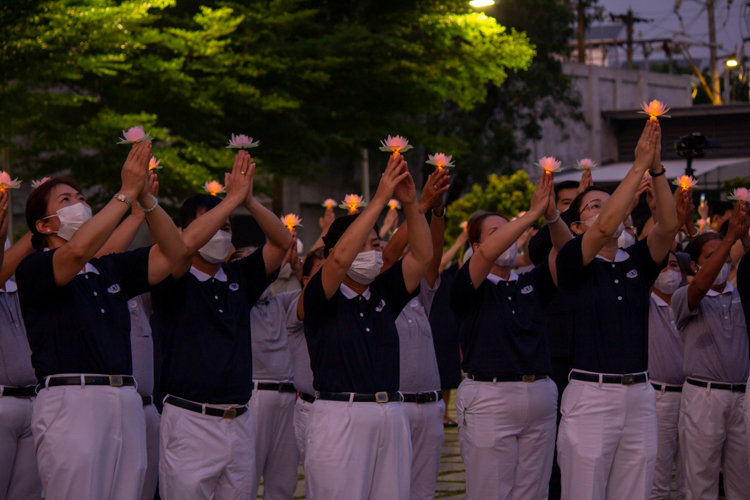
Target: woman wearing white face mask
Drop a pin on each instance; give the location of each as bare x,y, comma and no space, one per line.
358,443
711,322
88,421
507,404
606,445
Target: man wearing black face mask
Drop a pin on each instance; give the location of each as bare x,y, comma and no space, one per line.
202,315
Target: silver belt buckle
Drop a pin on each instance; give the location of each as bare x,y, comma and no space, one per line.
628,380
381,397
529,378
115,381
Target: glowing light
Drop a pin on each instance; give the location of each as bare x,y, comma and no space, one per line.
481,3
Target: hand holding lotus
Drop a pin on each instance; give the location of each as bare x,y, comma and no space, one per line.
3,216
738,222
432,193
540,198
395,172
239,180
135,170
646,148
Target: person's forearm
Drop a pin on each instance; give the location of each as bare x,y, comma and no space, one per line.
166,235
396,245
615,210
437,230
559,233
14,255
278,235
418,233
704,278
95,232
124,235
197,234
354,237
665,206
452,251
499,241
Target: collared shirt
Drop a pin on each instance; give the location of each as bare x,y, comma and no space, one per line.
142,343
84,325
501,323
272,359
303,375
352,338
204,326
665,347
418,366
742,278
715,335
445,332
607,307
286,282
15,353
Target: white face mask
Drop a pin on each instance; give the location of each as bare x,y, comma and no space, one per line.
723,274
625,240
71,218
366,267
508,258
668,281
618,231
217,248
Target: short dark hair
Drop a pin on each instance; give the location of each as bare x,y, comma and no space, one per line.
575,205
243,252
721,207
565,185
36,207
336,231
475,228
311,258
696,246
191,206
724,229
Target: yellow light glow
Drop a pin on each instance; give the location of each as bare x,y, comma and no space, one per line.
481,3
732,63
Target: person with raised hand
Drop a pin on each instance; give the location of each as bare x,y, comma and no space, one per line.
202,316
507,404
606,445
709,316
358,443
88,423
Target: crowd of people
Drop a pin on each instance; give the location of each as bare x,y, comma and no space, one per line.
598,358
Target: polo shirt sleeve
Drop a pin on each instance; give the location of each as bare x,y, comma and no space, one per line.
317,308
293,325
649,269
570,269
545,286
427,294
253,268
35,277
391,284
132,269
682,313
463,295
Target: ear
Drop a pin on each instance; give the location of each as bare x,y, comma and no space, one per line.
42,226
694,267
575,228
474,247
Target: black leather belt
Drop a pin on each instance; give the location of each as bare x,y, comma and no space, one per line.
717,385
276,386
667,388
19,392
509,378
229,413
378,397
306,397
110,380
423,397
147,400
628,379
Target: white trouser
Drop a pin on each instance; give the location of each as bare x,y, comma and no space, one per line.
712,434
153,420
90,442
276,456
302,411
19,475
202,457
358,451
668,452
606,444
427,436
506,431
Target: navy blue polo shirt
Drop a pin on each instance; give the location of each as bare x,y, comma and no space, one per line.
743,285
607,307
501,323
84,325
352,340
204,326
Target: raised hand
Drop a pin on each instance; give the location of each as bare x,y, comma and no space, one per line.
684,205
646,148
540,200
436,186
738,222
3,216
586,181
237,183
405,191
135,170
328,217
395,172
551,211
389,223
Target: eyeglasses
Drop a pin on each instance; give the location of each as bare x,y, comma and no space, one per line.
594,205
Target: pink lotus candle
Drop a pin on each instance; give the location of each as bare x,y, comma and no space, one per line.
586,164
440,160
395,145
465,225
654,109
291,221
685,182
549,164
242,141
37,183
213,188
6,183
133,135
739,194
330,203
394,204
153,164
352,203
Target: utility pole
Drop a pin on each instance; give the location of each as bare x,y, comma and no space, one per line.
629,20
582,31
715,85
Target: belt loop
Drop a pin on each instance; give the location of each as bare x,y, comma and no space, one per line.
2,390
663,388
46,382
401,395
569,374
708,388
83,381
351,398
203,409
494,380
255,386
601,380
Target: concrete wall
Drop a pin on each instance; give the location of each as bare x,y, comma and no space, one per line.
604,89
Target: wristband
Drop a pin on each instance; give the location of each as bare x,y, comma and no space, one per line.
663,171
552,221
149,210
434,214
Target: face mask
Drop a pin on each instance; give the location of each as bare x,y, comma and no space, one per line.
723,274
618,231
366,267
625,240
508,257
71,218
217,248
668,281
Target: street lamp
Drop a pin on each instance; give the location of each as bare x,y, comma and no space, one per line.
481,3
731,62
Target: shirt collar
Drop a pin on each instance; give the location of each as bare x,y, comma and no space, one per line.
10,286
202,277
727,289
495,279
89,268
621,256
659,301
350,294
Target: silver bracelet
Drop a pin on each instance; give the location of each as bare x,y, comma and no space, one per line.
434,214
149,210
557,217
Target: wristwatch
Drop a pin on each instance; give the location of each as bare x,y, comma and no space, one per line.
121,197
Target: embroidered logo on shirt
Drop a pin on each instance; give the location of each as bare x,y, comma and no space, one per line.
114,288
633,273
234,287
380,307
527,289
